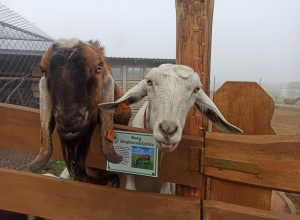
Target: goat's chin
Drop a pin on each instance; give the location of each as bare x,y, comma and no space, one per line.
72,135
69,135
166,148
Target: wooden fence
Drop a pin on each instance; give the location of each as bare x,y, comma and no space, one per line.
236,192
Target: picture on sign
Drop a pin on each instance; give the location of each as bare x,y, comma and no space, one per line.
142,157
139,153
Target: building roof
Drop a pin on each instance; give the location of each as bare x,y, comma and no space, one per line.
145,62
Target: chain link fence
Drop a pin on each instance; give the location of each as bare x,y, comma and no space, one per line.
22,45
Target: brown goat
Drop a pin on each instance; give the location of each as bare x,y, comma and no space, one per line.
142,158
77,77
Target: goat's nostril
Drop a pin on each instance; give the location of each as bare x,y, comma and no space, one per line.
162,130
168,128
173,131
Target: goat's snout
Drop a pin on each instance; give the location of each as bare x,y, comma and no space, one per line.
69,124
168,128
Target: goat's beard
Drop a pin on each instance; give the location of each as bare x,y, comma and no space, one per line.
75,153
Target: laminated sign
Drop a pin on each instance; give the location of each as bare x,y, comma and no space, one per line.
139,153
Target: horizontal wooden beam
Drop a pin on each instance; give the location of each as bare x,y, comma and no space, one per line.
55,198
277,155
215,210
20,129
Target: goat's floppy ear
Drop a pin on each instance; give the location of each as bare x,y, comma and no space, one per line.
106,120
206,106
47,128
134,95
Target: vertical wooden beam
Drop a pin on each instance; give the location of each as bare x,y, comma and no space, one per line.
193,36
193,49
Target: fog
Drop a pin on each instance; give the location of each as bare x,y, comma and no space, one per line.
252,40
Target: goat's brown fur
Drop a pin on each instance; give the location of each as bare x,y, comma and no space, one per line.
92,56
142,158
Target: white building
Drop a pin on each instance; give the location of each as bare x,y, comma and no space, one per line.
290,93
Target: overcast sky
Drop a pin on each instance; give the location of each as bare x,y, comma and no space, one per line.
251,38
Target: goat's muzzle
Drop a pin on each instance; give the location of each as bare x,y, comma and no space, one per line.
167,136
168,128
71,125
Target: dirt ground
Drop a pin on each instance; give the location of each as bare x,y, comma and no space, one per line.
286,121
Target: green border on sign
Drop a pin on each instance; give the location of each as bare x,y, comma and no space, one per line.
128,132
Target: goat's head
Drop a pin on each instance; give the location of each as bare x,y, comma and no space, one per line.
77,78
172,90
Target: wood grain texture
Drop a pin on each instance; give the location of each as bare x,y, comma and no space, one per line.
193,49
64,199
20,129
277,155
193,37
247,106
240,194
215,210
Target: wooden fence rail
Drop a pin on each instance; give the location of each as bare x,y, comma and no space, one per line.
55,198
216,210
20,129
277,155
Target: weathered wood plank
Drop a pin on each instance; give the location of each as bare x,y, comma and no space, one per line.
247,106
20,129
277,155
64,199
241,194
215,210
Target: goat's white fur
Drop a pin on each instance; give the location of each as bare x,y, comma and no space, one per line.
67,43
170,98
64,175
45,104
107,92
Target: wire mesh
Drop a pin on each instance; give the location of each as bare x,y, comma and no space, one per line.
21,46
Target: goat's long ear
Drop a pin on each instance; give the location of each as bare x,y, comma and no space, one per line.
47,127
206,106
106,120
134,95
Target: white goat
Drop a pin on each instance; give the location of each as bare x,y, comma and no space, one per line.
172,90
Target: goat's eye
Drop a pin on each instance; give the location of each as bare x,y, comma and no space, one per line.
99,69
43,71
196,89
149,82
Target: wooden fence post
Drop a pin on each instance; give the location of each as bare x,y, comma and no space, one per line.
193,49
